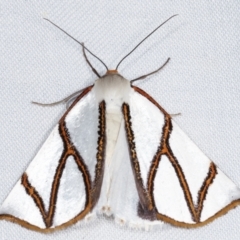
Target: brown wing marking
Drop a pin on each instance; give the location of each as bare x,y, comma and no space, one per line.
48,215
146,95
101,149
195,209
34,194
145,208
69,150
212,172
164,149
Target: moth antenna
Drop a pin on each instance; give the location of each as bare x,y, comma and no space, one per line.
77,42
145,39
88,62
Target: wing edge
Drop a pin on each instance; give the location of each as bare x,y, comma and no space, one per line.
25,224
220,213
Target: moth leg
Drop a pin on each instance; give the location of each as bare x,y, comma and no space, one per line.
175,114
65,100
88,62
146,75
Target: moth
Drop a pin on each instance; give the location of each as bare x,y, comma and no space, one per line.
117,152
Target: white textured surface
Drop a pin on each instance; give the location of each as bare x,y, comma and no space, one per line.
38,62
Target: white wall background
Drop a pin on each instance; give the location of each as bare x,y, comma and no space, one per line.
38,62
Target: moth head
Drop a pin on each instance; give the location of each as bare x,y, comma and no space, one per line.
112,73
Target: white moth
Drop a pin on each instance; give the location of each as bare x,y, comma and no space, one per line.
117,151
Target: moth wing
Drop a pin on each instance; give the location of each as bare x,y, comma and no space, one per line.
119,196
54,192
185,187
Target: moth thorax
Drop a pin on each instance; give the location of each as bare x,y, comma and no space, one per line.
114,90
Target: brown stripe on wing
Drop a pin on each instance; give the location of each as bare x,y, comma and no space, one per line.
165,149
204,189
146,95
83,93
100,156
31,191
162,149
145,208
180,175
68,150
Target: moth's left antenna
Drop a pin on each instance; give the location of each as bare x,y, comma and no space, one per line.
145,39
77,42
